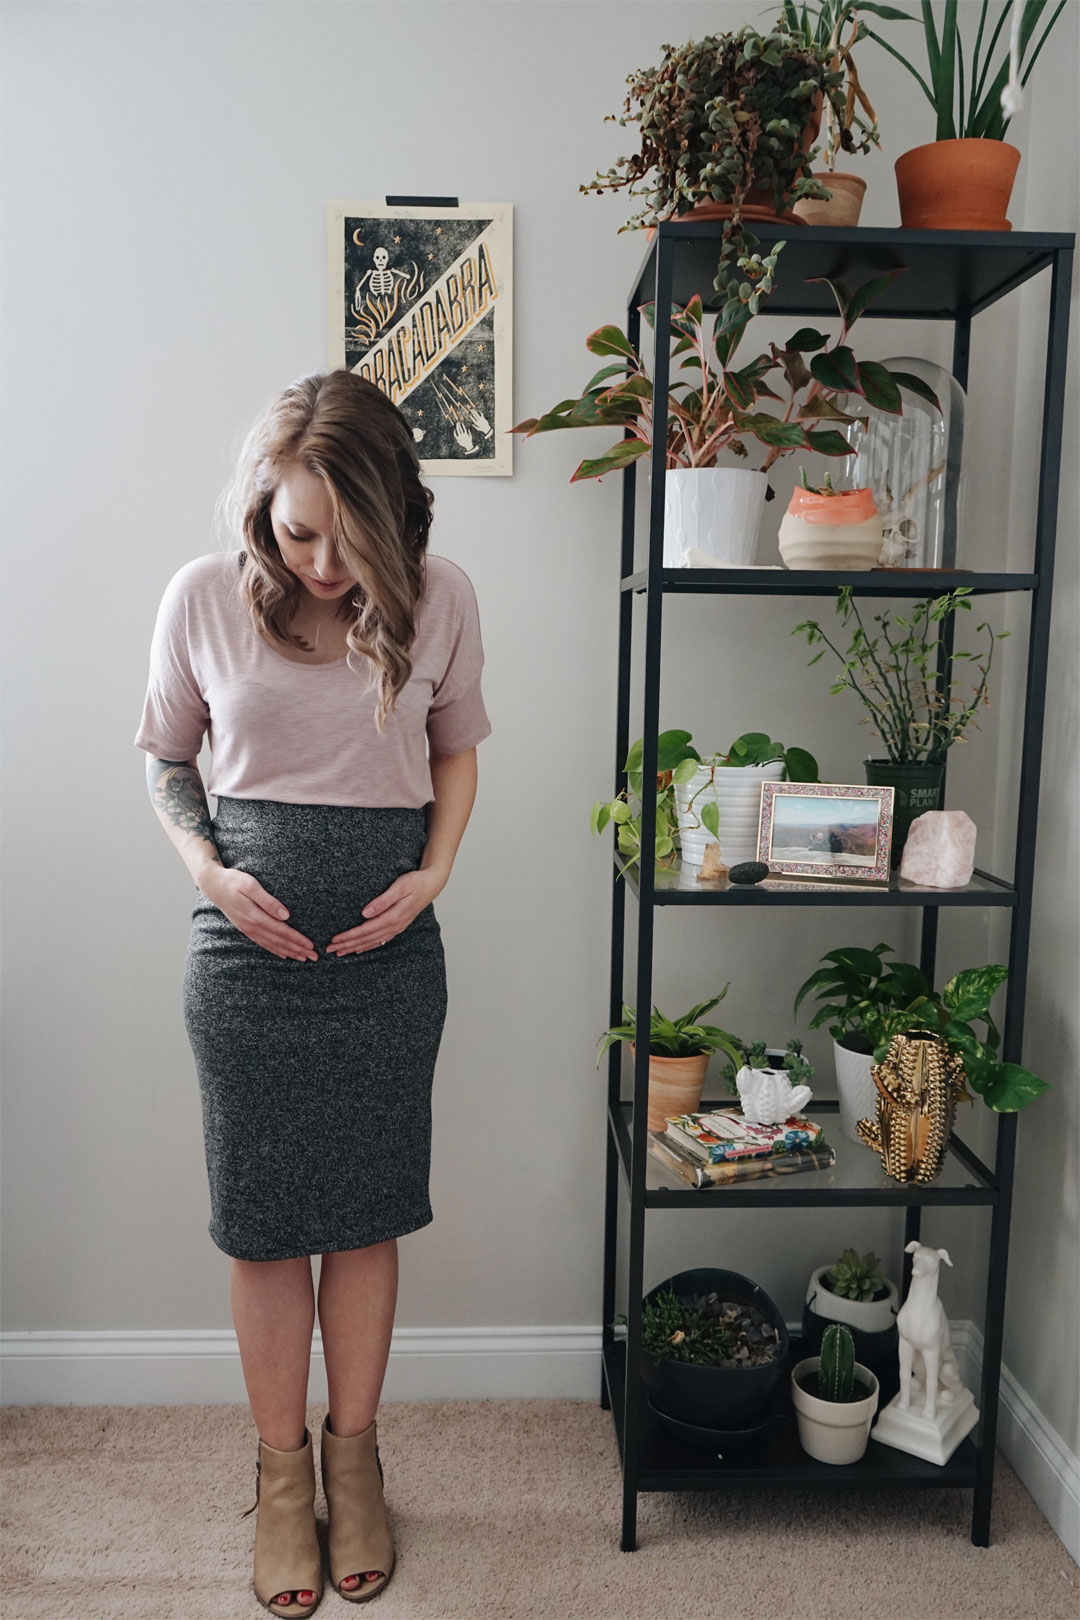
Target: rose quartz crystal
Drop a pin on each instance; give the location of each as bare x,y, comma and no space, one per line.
939,851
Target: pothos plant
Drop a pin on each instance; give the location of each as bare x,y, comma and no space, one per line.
720,409
866,1001
677,761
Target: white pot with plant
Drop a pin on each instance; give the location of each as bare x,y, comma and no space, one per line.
771,1091
866,1000
835,1399
720,797
679,1052
855,1291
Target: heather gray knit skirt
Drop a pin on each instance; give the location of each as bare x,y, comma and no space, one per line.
315,1077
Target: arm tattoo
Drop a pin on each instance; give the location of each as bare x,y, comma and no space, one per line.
176,788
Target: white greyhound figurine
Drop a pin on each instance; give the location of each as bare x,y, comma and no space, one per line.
924,1331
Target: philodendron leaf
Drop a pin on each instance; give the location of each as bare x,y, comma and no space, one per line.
684,770
1012,1087
801,765
671,747
710,817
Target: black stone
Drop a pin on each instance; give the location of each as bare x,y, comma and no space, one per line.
748,872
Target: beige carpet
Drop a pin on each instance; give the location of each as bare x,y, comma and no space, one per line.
505,1508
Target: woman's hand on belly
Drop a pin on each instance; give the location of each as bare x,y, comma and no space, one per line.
389,913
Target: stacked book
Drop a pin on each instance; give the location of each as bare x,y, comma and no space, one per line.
720,1146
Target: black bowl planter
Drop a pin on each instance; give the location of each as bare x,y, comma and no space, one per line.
728,1397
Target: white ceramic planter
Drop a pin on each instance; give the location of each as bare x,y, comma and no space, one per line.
856,1088
833,1431
712,516
864,1315
736,792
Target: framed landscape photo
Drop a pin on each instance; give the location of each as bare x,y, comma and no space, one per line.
826,830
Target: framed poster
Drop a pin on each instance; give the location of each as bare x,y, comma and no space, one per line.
420,301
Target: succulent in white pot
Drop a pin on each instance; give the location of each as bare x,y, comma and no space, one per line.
855,1291
720,797
771,1093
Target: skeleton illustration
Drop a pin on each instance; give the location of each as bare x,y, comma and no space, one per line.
380,293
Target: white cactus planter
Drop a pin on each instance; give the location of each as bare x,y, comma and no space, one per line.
712,516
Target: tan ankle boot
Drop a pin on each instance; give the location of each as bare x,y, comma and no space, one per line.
360,1537
287,1553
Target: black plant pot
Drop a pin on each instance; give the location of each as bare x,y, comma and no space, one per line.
720,1397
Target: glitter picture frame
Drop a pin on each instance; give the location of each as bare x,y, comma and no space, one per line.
821,830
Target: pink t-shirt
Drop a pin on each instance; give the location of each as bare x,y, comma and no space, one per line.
305,733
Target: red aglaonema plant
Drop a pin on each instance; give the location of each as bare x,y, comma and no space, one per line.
720,409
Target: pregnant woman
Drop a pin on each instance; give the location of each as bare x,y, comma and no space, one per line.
334,666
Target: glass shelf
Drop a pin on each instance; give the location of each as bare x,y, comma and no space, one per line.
950,273
679,886
855,1179
902,582
777,1458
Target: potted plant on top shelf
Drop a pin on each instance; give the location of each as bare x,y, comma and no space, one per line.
911,689
712,512
962,180
727,126
824,25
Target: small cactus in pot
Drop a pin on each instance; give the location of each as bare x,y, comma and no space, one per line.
836,1372
835,1399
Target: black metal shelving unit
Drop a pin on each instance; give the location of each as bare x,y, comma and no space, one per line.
951,275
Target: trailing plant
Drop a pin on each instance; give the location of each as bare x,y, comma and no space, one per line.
904,675
676,1330
854,1278
823,26
720,409
722,116
864,995
836,1369
677,1037
992,95
677,761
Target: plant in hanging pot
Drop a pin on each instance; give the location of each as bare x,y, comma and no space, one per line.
679,1053
824,26
708,522
963,179
830,528
835,1399
714,1346
908,681
854,1291
720,797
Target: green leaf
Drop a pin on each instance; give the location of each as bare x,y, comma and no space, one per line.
801,766
915,385
620,455
780,435
878,387
710,817
1012,1087
968,994
806,339
837,370
673,746
827,442
865,295
610,340
839,291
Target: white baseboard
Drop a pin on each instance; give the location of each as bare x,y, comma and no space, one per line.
183,1368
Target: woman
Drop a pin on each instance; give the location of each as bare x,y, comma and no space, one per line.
314,988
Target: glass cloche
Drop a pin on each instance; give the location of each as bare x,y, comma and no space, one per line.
912,463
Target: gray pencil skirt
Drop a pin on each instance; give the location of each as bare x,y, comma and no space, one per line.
315,1077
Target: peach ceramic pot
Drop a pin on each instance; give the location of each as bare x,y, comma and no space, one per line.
841,530
962,185
675,1085
842,208
759,204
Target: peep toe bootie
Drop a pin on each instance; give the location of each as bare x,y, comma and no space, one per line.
288,1559
360,1539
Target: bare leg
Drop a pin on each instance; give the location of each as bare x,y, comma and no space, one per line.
273,1306
357,1299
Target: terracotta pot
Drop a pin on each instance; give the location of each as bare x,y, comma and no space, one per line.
956,185
759,204
675,1085
842,208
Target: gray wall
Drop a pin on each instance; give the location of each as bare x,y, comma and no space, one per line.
166,174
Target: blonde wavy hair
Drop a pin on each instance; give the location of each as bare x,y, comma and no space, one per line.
347,432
